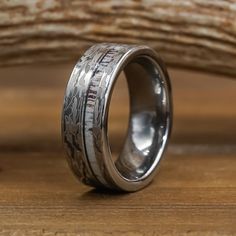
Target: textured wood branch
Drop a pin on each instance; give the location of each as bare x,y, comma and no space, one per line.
200,34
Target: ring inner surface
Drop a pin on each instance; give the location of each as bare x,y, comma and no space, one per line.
148,116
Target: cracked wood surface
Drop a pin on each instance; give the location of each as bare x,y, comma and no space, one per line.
194,192
199,34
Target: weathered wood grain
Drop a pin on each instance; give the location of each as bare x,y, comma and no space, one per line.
191,195
199,34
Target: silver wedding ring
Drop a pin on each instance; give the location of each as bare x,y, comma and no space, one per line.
85,116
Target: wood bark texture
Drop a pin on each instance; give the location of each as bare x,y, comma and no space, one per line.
199,34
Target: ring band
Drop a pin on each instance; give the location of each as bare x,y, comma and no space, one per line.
85,116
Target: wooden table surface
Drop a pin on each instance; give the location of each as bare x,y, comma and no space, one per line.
194,192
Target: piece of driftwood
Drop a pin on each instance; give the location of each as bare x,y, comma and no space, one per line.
198,34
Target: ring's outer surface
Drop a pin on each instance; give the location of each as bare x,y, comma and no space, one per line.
85,116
